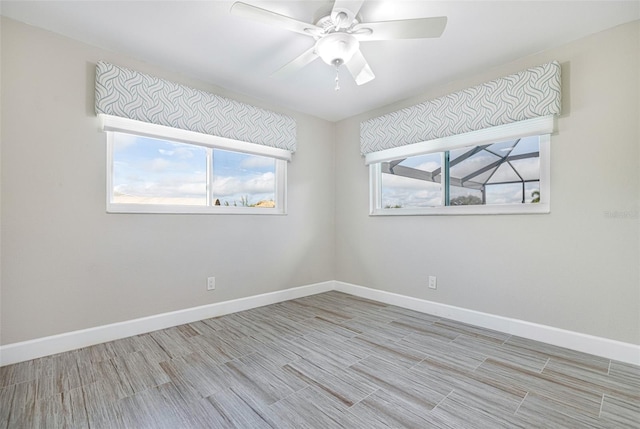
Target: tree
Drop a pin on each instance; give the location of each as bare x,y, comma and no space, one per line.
536,196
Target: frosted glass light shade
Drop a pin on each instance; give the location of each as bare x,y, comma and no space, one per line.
337,48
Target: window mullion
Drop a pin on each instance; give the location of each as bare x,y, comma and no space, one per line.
446,178
209,177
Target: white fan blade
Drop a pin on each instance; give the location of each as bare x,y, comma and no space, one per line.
359,69
421,28
248,11
297,64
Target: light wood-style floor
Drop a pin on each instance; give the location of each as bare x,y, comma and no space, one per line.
325,361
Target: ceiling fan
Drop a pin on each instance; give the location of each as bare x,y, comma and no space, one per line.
339,34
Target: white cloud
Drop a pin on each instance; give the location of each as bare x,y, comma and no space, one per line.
257,162
235,185
175,186
159,164
122,141
428,166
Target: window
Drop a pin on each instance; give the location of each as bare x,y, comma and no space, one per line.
494,176
148,174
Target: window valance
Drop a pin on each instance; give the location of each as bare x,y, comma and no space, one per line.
134,95
529,94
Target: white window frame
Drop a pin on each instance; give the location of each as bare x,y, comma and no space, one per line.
542,127
111,124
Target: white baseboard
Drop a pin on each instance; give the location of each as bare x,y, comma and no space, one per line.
26,350
604,347
611,349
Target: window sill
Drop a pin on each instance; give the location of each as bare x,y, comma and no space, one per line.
506,209
175,209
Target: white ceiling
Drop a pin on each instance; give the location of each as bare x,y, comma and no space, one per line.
203,40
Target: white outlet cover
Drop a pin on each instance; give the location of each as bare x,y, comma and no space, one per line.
433,282
211,283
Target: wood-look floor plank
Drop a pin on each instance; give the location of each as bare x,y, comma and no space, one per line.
281,351
588,379
326,311
585,401
445,379
420,329
196,376
23,405
396,352
620,413
258,364
236,411
172,342
100,403
447,352
342,384
562,354
390,331
139,373
468,411
473,331
19,373
310,408
266,383
330,327
97,353
541,411
399,313
397,381
294,312
160,407
501,352
383,410
333,349
625,373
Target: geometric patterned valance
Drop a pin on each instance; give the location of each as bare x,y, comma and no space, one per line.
130,94
529,94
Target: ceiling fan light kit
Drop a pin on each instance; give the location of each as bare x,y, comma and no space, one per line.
338,35
337,48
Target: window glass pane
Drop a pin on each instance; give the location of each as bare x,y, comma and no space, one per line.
508,193
528,169
469,162
412,182
150,171
503,148
481,179
527,145
464,196
243,180
504,174
499,170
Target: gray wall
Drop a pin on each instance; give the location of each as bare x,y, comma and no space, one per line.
574,268
68,265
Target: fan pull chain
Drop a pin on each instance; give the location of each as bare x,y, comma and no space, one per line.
337,88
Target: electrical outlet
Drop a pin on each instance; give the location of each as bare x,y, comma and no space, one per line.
211,283
433,282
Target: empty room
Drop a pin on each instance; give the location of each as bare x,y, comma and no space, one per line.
320,214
